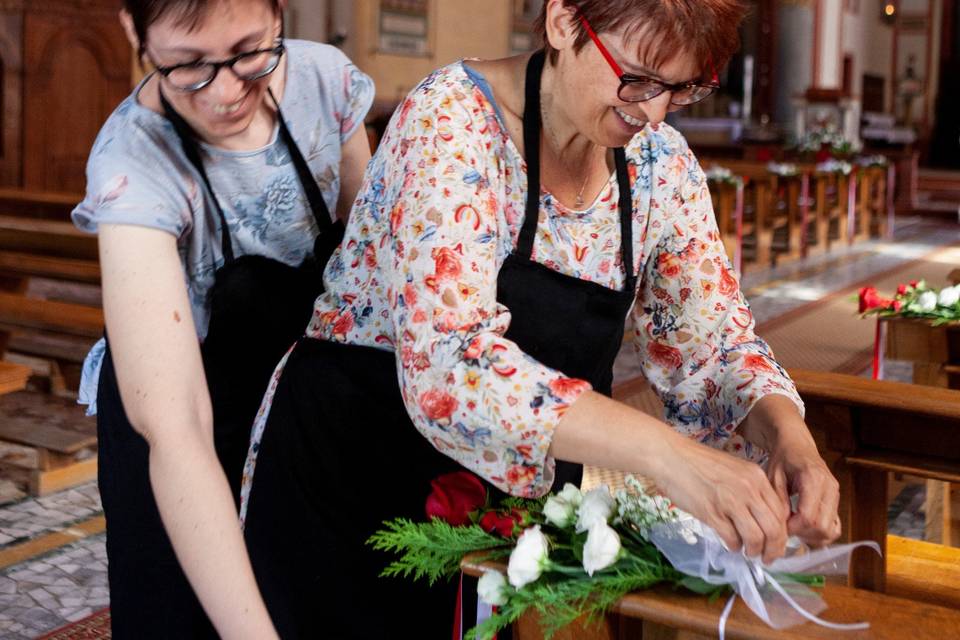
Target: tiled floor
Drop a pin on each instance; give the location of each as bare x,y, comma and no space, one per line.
69,583
50,591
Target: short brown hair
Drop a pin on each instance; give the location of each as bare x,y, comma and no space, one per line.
187,13
709,29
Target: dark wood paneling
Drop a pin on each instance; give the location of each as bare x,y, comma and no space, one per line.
76,70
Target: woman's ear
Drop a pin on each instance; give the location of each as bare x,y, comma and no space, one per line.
126,20
561,24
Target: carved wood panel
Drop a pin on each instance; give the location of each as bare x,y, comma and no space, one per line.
76,71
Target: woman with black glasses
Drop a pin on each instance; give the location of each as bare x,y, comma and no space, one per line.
214,189
516,213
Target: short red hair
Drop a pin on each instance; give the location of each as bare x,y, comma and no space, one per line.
709,29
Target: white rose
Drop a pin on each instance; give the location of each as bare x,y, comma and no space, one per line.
559,512
528,558
601,549
949,296
597,506
927,301
571,494
492,588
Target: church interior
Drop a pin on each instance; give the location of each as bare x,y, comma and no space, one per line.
832,151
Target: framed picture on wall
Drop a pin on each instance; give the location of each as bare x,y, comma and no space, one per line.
404,27
525,12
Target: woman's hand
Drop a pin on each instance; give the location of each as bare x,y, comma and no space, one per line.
799,470
796,467
731,495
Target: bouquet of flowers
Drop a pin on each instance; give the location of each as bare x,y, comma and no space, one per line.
913,300
826,143
576,554
723,175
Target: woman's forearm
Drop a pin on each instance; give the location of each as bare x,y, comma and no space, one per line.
197,510
775,421
602,432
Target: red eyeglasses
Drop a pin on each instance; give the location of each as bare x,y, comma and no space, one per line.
641,88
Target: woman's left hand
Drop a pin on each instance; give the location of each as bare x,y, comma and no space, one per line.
797,468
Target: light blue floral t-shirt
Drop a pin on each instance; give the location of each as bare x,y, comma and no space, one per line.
137,174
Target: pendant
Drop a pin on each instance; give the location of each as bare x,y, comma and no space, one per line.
579,202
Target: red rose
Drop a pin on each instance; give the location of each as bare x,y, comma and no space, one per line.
870,299
447,263
669,265
454,496
914,283
902,290
501,524
665,355
437,404
568,389
823,154
897,306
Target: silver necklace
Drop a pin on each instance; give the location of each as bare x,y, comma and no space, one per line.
579,202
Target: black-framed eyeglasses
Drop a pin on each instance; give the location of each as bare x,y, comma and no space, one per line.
249,66
641,88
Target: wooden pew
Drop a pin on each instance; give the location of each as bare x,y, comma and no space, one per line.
866,430
13,377
665,614
49,249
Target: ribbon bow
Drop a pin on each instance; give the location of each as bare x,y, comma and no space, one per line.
770,590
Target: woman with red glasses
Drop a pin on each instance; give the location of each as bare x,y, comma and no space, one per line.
517,213
214,188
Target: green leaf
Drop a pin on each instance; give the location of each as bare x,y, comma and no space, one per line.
432,550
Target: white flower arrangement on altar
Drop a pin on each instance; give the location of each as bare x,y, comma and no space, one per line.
577,554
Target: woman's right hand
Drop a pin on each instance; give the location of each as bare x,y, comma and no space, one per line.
732,495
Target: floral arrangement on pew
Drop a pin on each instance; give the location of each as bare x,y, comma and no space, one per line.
723,175
913,300
574,555
822,144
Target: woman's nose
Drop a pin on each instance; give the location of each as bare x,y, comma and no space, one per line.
226,86
656,109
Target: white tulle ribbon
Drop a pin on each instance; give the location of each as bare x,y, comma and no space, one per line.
696,550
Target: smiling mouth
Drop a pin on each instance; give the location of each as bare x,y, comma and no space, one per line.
223,110
633,122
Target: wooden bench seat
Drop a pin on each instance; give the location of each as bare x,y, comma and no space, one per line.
17,311
37,204
46,237
923,571
14,263
662,613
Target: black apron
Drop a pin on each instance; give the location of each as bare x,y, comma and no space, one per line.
339,454
258,308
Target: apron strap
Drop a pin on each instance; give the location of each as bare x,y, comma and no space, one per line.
317,204
532,123
192,151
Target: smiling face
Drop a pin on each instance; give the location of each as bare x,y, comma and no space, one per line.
590,84
227,106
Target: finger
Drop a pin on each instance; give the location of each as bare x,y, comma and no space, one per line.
774,529
750,531
779,481
727,532
831,510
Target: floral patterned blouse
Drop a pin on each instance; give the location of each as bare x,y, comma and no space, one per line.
441,208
